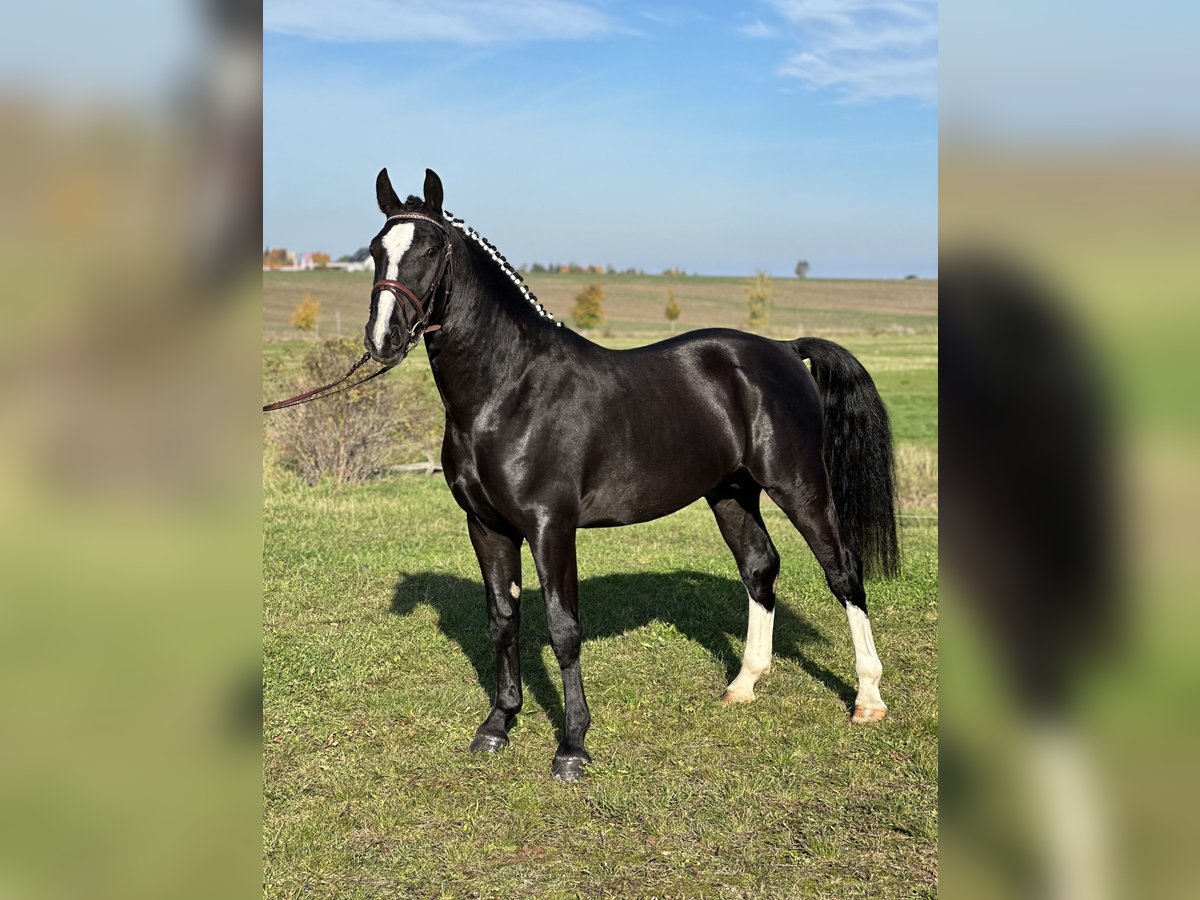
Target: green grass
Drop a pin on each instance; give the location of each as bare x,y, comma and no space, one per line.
379,668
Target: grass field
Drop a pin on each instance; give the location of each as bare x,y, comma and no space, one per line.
378,667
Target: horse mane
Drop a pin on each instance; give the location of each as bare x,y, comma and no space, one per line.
497,257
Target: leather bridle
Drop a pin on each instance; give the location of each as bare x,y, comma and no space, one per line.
401,291
422,306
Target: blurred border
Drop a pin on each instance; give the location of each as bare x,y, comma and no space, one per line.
130,442
1069,222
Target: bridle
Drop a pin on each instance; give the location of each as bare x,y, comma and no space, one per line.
401,291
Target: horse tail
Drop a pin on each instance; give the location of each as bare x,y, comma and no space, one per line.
858,454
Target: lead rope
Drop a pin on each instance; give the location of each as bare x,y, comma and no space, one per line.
319,393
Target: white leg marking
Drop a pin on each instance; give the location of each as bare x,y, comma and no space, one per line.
514,591
868,706
756,661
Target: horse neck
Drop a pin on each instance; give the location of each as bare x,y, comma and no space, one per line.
490,333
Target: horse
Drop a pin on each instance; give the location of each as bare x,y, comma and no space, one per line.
547,432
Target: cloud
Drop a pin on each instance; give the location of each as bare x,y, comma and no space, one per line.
863,50
451,21
757,29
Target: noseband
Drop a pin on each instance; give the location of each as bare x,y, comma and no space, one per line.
401,291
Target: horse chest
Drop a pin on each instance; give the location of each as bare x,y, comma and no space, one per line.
481,477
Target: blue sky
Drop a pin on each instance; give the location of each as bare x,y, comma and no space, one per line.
717,137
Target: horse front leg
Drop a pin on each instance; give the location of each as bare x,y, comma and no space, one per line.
554,554
499,557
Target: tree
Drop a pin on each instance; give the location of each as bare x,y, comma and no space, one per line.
304,316
589,306
672,311
760,294
320,260
802,268
275,258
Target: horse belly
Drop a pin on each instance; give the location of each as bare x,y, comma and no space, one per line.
648,481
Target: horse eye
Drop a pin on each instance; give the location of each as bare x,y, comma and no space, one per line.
431,252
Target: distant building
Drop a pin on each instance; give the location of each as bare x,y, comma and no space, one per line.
360,261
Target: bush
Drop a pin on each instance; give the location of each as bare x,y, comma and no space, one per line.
673,309
760,296
304,316
357,434
589,307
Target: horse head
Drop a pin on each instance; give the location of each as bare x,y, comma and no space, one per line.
412,261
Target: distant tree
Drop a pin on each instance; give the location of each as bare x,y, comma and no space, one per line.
589,306
672,311
304,316
537,268
274,258
760,295
910,277
320,260
802,268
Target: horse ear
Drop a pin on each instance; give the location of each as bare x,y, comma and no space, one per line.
433,190
389,203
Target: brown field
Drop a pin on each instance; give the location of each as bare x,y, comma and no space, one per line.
634,303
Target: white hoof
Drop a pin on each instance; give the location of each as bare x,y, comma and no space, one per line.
868,713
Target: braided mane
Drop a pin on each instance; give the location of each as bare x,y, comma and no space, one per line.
505,266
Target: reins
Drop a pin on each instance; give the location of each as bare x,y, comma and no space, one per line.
318,393
421,326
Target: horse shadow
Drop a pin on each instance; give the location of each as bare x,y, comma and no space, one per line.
707,609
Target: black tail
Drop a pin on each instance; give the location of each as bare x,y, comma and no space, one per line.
858,454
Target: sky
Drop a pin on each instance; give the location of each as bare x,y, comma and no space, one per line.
720,138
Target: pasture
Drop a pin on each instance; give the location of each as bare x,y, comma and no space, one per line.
635,303
378,666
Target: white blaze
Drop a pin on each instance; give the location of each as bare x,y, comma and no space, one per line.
396,241
383,317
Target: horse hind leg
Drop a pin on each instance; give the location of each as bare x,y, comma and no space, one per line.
736,509
813,514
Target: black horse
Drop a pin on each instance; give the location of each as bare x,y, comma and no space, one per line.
547,432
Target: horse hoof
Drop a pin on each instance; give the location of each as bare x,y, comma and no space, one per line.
488,743
568,768
868,714
732,696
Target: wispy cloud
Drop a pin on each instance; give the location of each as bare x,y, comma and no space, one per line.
863,50
757,29
451,21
